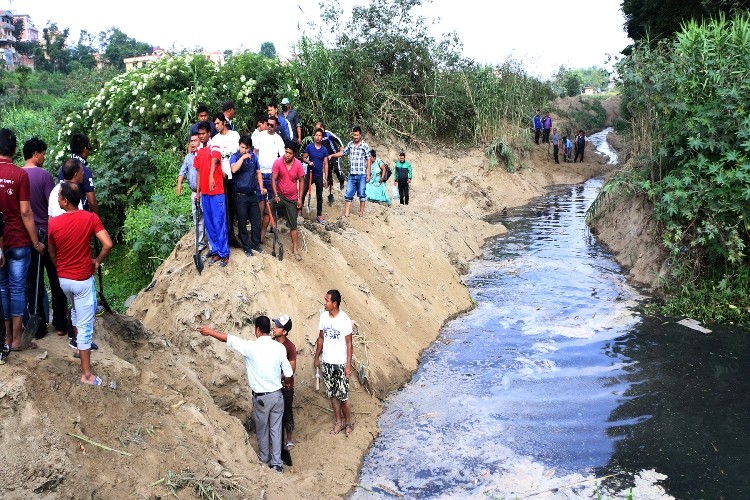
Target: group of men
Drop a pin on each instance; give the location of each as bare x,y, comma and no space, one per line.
543,125
49,225
270,363
250,178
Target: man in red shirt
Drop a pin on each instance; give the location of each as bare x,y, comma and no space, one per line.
20,237
210,192
287,178
69,247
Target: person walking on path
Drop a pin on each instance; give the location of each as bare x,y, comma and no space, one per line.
537,122
41,184
19,238
580,145
286,181
556,144
359,171
333,356
402,177
69,247
188,170
211,195
265,362
281,328
547,126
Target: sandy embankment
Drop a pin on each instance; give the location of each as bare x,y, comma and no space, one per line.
181,398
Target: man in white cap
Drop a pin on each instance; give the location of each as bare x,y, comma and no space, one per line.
265,361
281,328
293,118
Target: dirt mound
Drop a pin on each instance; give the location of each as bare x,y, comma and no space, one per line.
174,402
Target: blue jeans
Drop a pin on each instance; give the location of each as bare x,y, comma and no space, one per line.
358,183
13,281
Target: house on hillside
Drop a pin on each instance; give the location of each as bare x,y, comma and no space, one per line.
587,91
141,61
8,54
30,34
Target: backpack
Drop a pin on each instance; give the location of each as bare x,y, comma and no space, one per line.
388,173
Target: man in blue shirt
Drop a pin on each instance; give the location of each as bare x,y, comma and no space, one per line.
283,128
537,126
316,157
247,182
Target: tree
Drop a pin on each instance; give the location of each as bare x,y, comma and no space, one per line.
268,49
54,55
657,19
84,53
116,46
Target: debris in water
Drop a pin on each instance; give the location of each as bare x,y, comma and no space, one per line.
693,324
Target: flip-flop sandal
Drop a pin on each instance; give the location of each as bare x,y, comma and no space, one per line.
32,345
349,429
298,256
97,382
336,429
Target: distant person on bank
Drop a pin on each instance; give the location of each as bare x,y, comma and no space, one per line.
556,144
316,158
537,125
333,356
376,190
69,247
265,361
402,175
580,145
546,126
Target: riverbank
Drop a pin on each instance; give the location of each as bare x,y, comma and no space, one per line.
180,399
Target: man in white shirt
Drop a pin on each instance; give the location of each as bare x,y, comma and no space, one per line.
265,361
72,171
269,146
335,345
228,142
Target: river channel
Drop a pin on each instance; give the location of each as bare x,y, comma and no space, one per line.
554,380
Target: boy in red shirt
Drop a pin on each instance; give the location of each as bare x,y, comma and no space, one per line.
287,178
69,247
211,195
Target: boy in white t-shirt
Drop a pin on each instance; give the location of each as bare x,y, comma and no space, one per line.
335,345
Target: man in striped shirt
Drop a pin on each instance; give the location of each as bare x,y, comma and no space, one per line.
359,170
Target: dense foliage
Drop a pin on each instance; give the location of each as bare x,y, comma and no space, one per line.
689,101
654,20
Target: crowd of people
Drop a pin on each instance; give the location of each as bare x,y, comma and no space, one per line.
543,125
49,226
253,178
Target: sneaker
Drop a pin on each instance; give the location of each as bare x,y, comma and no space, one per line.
289,445
249,252
223,262
72,343
4,353
258,249
277,468
214,259
320,219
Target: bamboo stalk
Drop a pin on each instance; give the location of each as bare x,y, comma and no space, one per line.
102,446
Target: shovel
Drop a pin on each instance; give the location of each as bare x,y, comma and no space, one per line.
307,212
102,298
275,228
330,195
29,331
197,256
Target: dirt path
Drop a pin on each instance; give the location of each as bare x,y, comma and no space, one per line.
180,399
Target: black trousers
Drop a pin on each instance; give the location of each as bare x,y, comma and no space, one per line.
579,151
557,150
318,181
536,135
545,136
248,209
229,203
335,167
403,192
58,301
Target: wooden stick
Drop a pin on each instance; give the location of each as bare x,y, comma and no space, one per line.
104,447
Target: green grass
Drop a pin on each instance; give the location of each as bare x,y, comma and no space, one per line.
122,277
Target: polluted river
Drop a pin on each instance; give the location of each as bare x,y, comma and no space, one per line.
554,386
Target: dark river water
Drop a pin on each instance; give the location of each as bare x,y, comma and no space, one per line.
554,381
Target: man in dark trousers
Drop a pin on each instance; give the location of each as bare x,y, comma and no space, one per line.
402,176
546,126
265,361
580,145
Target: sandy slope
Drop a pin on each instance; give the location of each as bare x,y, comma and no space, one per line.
180,398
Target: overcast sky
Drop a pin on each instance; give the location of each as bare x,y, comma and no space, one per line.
541,33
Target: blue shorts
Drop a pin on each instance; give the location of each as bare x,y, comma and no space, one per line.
358,183
267,185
